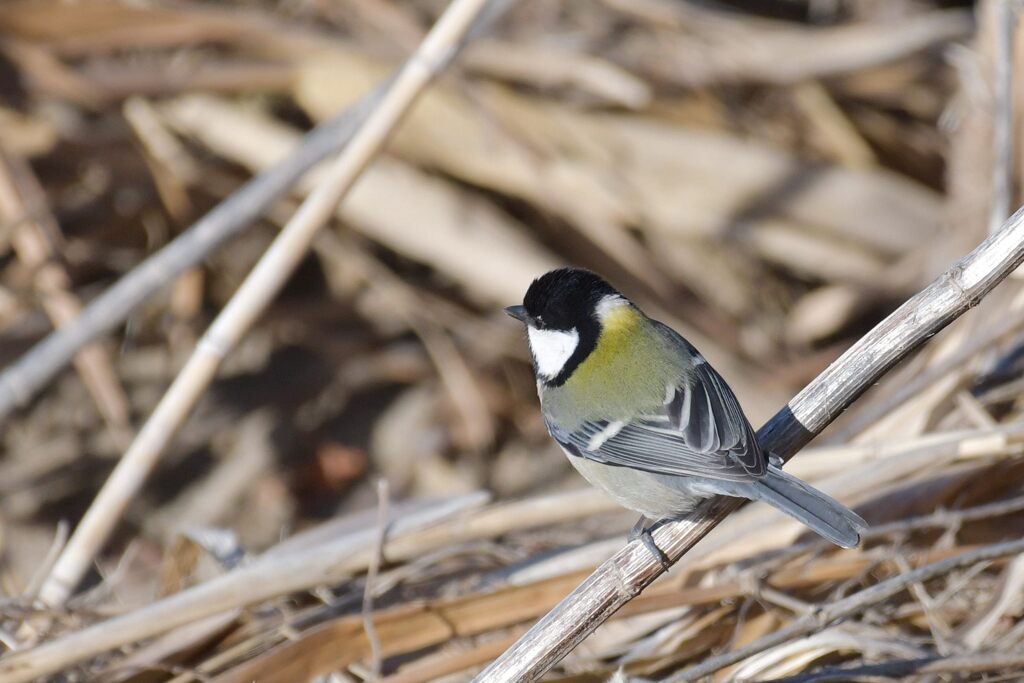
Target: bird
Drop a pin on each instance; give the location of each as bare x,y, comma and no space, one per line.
641,414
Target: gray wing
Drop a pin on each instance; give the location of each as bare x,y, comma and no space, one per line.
700,431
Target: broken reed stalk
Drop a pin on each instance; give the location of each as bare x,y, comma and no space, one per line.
633,568
253,296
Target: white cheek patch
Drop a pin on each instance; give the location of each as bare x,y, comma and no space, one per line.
551,349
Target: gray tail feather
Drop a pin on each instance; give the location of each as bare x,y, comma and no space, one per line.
810,506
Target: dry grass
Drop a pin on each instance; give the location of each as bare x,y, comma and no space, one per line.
772,180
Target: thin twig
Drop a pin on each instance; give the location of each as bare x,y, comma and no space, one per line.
633,568
853,604
371,578
253,296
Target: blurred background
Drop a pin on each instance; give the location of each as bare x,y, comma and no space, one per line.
770,177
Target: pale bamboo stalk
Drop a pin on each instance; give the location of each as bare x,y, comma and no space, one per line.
634,567
252,297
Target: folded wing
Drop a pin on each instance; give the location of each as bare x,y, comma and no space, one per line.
699,431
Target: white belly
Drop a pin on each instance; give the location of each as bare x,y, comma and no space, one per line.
653,495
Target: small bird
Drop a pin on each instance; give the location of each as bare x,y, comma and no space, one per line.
642,415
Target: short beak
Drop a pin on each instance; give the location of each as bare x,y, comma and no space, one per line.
517,312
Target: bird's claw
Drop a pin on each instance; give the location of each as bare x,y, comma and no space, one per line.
641,531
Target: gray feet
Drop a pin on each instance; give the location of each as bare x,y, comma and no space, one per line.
642,531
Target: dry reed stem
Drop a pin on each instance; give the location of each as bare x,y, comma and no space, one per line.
252,297
633,568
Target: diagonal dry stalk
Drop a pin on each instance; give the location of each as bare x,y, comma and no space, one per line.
252,297
633,568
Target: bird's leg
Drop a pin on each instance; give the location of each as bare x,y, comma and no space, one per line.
643,532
